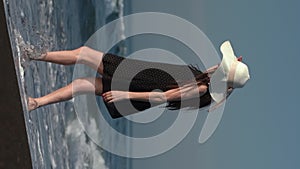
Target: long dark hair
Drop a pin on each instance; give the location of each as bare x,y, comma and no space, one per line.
193,103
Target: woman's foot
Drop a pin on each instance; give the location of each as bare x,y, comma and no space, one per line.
28,51
32,104
33,53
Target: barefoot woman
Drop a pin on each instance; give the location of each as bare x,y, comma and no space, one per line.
141,90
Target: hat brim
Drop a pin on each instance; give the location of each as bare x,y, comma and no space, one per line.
228,56
218,81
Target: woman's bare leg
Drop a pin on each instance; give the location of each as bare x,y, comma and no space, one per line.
82,55
78,86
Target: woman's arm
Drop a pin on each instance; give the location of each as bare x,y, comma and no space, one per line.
157,97
113,96
185,92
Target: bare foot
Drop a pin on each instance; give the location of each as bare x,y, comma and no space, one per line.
34,53
28,51
32,104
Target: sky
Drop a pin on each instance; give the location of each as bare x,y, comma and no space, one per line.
260,124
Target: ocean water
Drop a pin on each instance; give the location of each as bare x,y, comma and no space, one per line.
56,138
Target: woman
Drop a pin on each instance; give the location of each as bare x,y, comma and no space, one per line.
141,90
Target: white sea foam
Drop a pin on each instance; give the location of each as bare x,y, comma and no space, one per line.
55,136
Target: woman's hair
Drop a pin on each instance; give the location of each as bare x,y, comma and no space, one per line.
193,103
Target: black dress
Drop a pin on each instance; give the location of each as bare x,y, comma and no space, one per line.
140,76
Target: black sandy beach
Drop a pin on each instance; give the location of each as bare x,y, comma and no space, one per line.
14,149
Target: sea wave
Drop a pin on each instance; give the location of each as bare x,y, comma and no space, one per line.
56,139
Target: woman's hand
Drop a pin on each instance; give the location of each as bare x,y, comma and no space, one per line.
115,95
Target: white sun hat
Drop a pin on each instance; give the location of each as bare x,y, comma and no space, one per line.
230,73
